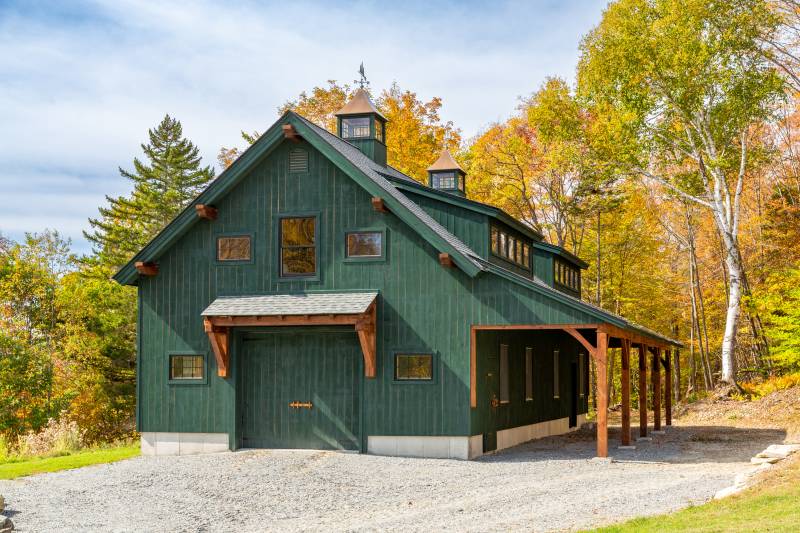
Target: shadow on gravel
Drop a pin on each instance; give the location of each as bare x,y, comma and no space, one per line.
680,444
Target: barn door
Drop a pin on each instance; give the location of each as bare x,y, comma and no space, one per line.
299,389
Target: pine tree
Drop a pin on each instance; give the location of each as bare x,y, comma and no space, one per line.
170,179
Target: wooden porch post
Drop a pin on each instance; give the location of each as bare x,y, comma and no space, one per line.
656,380
642,390
626,392
601,361
667,387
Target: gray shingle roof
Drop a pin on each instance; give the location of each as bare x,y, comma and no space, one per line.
370,168
329,303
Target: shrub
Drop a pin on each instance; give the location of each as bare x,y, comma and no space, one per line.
774,384
58,437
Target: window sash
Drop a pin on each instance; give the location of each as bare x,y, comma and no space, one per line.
504,393
528,374
364,244
510,248
186,367
413,367
234,248
298,246
355,128
556,375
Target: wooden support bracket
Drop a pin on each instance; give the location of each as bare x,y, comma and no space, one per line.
445,260
290,133
378,205
219,337
367,337
146,268
206,211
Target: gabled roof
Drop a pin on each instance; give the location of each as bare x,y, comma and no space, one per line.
344,155
445,162
375,179
359,104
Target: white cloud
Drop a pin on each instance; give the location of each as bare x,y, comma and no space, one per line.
80,86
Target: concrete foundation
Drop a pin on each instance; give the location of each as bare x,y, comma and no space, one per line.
154,443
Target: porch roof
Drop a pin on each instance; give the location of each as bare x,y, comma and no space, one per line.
330,303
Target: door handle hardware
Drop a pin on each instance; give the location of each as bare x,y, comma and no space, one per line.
301,405
494,402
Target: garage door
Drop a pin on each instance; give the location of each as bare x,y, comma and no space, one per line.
299,389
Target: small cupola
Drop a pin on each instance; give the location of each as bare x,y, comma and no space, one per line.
447,175
361,124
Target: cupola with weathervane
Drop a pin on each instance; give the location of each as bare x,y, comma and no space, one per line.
361,124
447,175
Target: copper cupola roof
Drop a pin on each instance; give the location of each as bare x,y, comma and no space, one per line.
359,104
445,162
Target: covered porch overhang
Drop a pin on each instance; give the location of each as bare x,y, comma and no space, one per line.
357,309
597,338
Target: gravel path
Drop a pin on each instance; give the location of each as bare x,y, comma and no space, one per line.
551,484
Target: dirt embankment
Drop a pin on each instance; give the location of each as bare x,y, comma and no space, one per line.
778,410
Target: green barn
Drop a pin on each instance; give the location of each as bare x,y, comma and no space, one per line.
315,297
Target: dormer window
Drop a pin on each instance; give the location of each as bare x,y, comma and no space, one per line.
355,128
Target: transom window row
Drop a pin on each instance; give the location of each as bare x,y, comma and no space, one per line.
511,248
567,275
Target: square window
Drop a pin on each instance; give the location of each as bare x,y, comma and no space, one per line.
298,246
355,128
233,248
365,244
186,367
413,367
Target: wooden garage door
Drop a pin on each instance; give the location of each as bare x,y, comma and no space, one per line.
278,369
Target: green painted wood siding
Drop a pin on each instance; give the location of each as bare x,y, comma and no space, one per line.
519,412
471,227
414,312
423,307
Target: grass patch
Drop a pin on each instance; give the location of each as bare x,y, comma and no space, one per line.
14,468
772,505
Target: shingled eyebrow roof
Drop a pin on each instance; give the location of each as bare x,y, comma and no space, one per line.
329,303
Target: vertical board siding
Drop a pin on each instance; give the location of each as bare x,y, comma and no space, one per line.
422,306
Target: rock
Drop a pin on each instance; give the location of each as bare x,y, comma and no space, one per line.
762,460
601,460
781,451
6,525
741,479
727,491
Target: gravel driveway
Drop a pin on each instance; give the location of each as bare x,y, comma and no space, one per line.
550,484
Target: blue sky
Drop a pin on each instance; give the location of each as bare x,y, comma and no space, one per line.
81,82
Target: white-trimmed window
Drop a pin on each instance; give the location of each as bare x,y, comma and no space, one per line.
529,374
504,395
556,375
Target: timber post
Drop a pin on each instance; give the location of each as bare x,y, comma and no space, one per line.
656,380
642,390
626,392
601,361
667,388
